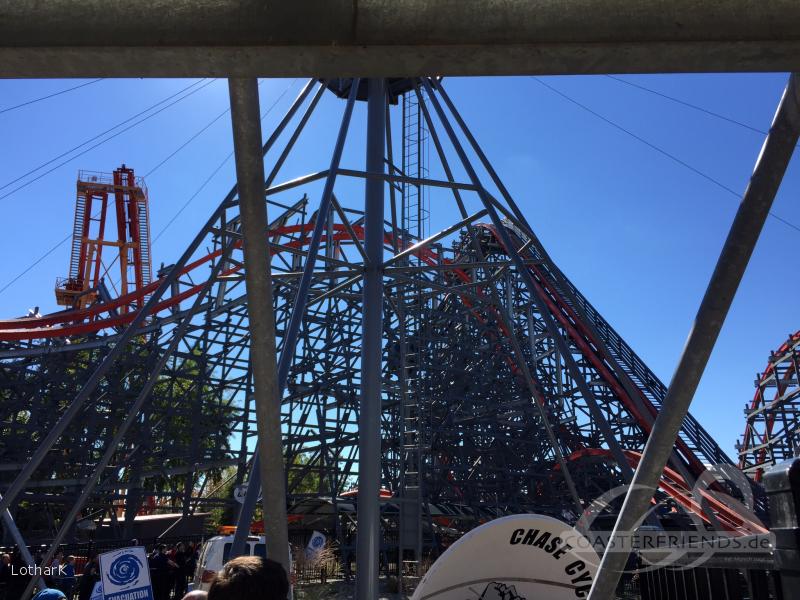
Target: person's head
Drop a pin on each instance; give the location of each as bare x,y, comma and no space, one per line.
179,547
50,594
196,595
250,577
161,548
6,559
59,554
70,560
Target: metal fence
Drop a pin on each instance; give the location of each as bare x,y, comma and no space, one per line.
757,567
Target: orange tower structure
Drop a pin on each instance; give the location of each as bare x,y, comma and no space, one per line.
132,243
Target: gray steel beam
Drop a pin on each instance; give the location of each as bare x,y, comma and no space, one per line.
339,38
298,311
246,119
369,418
745,230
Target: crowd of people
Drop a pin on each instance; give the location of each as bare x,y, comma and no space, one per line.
171,569
250,577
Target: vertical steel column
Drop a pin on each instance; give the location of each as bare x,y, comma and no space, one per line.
742,238
246,120
369,424
296,319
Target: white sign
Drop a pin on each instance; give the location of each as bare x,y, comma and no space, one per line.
97,592
125,575
521,557
240,491
315,544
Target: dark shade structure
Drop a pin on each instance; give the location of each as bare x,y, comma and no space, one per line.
385,38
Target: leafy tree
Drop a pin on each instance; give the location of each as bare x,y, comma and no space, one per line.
185,421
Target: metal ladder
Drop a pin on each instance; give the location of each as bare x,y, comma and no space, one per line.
77,237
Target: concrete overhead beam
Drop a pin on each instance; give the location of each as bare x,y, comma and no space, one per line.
325,38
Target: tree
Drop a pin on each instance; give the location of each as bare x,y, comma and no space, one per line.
186,421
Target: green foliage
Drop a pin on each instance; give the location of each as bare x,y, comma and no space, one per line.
223,515
185,421
302,477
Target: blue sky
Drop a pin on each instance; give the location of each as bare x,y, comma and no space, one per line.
636,231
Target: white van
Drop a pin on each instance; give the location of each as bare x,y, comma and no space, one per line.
216,551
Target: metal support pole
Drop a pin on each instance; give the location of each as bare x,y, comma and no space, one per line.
253,38
742,238
298,308
245,116
369,425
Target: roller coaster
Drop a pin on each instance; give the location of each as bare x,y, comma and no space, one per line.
772,433
503,389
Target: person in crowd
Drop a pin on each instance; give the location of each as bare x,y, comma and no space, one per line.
181,559
17,583
160,572
54,579
196,595
50,594
68,579
193,556
250,577
91,575
5,575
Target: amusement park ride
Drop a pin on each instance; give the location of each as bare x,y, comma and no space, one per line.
772,434
86,279
503,388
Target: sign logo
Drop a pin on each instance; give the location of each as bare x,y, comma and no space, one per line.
125,569
500,591
97,592
124,575
315,544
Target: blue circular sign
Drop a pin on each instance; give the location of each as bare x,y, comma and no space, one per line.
125,569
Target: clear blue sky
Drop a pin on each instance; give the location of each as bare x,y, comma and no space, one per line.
637,232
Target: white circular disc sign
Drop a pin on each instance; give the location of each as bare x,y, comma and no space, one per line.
521,557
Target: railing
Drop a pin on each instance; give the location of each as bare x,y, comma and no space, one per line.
756,567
